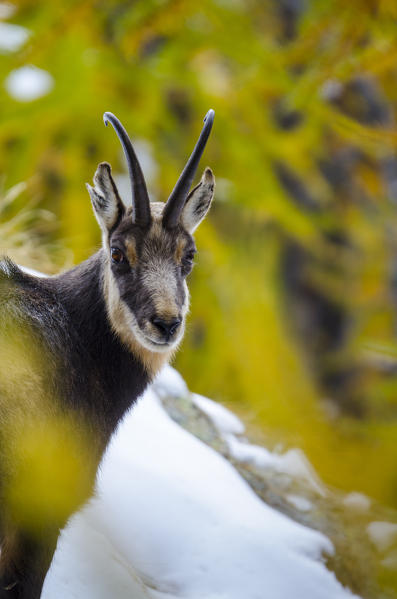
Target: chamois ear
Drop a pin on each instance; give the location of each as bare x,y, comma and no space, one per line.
198,202
108,207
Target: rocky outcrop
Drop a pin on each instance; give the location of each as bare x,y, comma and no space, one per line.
364,535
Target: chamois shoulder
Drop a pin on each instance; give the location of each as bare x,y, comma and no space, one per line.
13,283
9,272
24,298
13,277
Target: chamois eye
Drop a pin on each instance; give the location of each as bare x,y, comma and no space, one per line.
190,256
187,263
116,255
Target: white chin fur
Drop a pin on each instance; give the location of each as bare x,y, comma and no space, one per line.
152,345
158,347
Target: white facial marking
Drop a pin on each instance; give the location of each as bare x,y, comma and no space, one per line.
126,325
160,281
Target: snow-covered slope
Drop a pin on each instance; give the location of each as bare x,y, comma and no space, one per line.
173,519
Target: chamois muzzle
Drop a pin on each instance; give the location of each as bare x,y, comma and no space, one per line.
167,328
140,196
177,199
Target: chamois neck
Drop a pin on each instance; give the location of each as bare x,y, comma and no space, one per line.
121,373
81,292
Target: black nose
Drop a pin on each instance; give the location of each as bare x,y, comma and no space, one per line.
166,327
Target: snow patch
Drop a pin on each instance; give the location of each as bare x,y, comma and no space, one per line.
12,37
293,463
7,10
170,383
390,562
87,565
223,419
300,503
357,501
28,83
172,519
382,534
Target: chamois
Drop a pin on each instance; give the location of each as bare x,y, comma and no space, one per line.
79,348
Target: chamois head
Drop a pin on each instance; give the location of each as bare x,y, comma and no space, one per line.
149,249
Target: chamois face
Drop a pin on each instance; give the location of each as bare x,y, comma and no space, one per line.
146,266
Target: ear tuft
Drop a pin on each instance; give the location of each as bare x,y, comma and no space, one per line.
108,207
208,176
198,202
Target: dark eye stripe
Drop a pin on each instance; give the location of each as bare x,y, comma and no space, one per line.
189,256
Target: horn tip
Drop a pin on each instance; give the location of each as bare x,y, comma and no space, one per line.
210,115
107,117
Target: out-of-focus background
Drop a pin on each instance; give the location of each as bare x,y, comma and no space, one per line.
294,298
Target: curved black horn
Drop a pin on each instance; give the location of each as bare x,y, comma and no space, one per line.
177,199
140,197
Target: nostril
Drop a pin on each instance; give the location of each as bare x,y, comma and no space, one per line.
166,327
161,325
174,325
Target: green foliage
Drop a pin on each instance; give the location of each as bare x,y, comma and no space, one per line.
47,456
280,84
25,235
